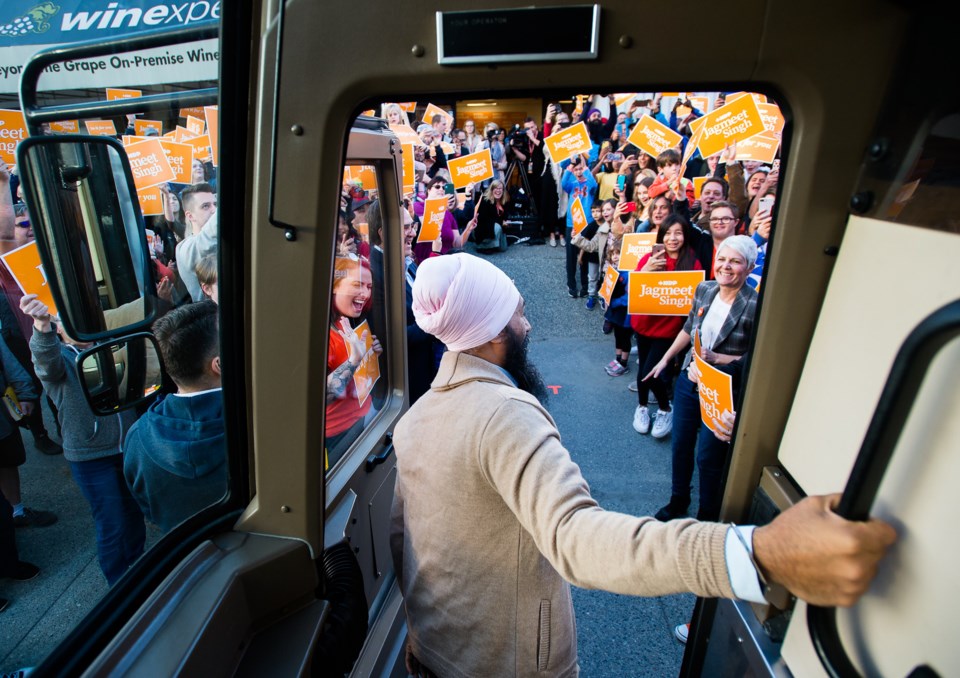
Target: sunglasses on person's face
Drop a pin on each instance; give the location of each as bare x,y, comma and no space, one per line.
23,224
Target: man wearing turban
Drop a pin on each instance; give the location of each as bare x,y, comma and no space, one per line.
492,520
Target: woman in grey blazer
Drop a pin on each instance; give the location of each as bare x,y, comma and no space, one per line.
723,314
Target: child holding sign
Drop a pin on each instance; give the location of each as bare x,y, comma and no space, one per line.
655,333
616,315
592,242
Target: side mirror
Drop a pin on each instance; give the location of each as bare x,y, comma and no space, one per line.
122,373
90,235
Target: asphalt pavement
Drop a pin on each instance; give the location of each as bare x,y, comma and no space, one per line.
617,635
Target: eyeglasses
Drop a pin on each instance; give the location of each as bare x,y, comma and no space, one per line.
722,220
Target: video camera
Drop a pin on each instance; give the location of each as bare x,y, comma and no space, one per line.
517,138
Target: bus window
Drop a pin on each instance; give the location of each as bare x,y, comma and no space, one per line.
356,362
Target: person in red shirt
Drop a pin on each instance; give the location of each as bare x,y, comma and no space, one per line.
352,291
655,333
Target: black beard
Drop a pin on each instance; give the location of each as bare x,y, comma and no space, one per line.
522,370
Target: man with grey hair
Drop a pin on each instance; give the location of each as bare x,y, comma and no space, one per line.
492,518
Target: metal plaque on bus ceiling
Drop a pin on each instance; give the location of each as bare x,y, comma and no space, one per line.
509,35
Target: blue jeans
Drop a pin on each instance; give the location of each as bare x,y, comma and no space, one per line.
120,530
691,435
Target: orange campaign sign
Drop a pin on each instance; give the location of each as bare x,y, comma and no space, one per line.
409,174
761,148
609,282
433,110
100,128
433,212
13,129
195,111
633,248
366,175
149,163
115,93
24,265
213,131
653,137
735,121
716,393
471,169
662,292
698,183
700,103
578,216
621,99
66,127
180,157
141,127
195,125
368,373
569,142
181,134
201,146
406,135
773,121
408,106
151,201
126,139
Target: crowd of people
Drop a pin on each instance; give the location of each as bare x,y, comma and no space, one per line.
156,465
722,230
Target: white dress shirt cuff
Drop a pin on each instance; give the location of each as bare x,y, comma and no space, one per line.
743,575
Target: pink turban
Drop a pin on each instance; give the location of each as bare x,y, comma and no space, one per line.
462,300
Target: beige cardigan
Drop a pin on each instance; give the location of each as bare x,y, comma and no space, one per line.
491,516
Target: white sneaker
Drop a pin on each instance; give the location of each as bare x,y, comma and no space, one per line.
681,632
663,424
641,420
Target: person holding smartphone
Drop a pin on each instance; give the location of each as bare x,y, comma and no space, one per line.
656,333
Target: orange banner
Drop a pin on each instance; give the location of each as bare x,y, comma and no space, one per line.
141,127
609,282
213,132
407,106
201,146
149,163
151,201
406,135
578,216
623,98
716,393
66,127
100,128
365,174
698,183
181,134
662,292
433,110
195,126
700,103
760,148
773,121
433,212
195,111
633,248
471,168
114,93
180,157
569,142
653,137
409,175
13,130
24,265
735,121
368,373
126,139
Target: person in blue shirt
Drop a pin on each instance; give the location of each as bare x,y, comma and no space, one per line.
175,455
577,182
